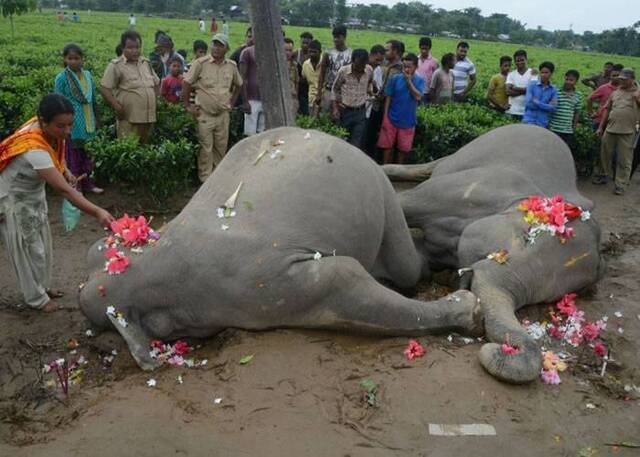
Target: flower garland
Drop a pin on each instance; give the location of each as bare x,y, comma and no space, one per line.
550,215
174,354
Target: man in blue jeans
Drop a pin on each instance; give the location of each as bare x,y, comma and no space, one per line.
541,99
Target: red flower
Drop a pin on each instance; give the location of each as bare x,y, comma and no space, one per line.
181,348
413,350
157,344
555,332
506,348
590,331
600,349
567,305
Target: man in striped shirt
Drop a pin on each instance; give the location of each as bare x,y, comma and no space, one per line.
564,119
464,73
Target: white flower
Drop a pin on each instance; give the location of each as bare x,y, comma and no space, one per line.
60,362
114,352
151,382
82,360
46,368
317,256
620,330
585,215
137,250
224,227
217,401
179,379
204,362
121,320
275,153
89,333
617,314
307,136
111,311
220,212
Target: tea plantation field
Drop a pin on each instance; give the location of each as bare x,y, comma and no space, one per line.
30,61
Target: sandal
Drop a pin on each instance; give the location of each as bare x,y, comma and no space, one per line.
52,293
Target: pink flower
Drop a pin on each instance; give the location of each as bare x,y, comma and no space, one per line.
132,231
567,305
176,360
600,349
117,265
413,350
555,331
590,331
550,377
181,348
508,349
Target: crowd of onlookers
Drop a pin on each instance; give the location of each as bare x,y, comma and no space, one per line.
373,94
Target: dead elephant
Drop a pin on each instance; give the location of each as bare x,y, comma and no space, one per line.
315,222
468,208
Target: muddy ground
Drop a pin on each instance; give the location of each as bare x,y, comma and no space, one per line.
301,394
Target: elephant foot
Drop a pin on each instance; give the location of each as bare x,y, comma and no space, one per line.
519,368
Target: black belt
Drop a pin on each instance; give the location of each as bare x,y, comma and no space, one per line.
353,108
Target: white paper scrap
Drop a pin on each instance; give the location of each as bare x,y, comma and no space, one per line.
462,430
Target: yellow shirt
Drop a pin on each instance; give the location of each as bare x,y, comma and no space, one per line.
214,83
312,76
498,85
133,84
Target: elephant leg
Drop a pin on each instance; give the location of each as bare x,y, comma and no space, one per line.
344,296
416,173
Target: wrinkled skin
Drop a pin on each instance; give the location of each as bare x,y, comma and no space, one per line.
467,209
320,195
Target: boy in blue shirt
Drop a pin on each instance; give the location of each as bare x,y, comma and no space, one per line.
402,94
541,99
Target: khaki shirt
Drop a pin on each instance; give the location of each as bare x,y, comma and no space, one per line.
624,112
214,83
133,85
351,90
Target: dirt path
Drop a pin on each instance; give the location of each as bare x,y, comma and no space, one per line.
301,394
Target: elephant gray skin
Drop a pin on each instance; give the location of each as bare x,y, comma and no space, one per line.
467,209
318,195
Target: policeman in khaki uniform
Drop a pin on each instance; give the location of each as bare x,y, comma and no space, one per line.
217,83
130,86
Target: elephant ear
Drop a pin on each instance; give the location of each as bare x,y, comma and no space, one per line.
137,341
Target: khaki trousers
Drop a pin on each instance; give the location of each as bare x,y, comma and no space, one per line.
142,131
213,136
623,144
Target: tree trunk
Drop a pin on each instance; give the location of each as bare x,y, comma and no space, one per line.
273,68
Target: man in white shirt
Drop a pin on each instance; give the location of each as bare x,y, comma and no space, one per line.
132,21
517,82
464,73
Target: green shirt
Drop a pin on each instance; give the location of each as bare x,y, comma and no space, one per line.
569,103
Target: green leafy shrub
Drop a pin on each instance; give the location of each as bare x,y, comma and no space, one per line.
442,130
323,123
160,169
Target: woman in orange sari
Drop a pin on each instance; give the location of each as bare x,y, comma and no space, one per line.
31,157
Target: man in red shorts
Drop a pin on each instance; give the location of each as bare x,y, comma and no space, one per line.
402,95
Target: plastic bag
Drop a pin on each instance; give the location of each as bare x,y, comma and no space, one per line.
70,215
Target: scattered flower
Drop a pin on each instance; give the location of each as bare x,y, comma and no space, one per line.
111,311
131,231
224,227
217,401
567,305
89,333
275,153
500,256
307,136
550,377
137,250
72,343
151,382
179,379
550,215
506,348
414,350
617,314
590,406
317,256
117,262
600,349
552,362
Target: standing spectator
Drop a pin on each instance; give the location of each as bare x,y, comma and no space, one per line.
294,72
541,99
132,21
225,27
441,90
618,130
376,57
60,16
564,120
426,66
517,82
217,83
402,94
393,50
129,85
601,97
497,90
311,73
76,84
351,89
75,17
201,25
599,79
300,56
199,49
464,73
171,86
251,101
248,41
214,25
163,54
332,60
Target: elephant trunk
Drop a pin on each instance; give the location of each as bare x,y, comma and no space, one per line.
502,326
